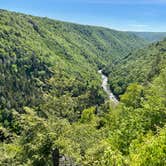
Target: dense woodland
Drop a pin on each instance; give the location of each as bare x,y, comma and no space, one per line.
140,66
51,96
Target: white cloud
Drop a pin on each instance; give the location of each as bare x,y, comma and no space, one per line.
139,25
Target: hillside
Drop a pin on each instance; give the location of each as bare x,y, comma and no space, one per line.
151,36
52,108
40,56
140,66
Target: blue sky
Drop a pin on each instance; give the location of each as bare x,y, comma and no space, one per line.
132,15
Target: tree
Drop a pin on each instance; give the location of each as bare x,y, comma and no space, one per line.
133,96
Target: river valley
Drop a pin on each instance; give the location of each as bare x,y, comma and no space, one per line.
106,87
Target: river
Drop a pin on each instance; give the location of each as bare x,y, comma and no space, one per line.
106,87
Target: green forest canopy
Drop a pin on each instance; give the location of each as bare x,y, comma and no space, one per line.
51,96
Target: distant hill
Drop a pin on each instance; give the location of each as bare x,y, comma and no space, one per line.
151,36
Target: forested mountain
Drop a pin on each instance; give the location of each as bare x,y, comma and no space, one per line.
52,106
42,58
151,36
140,66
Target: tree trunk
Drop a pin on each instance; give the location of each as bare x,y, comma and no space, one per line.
55,157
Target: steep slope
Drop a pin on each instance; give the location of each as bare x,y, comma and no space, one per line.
140,66
43,60
51,98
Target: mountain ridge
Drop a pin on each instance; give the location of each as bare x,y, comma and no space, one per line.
52,106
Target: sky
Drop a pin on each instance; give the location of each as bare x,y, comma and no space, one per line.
126,15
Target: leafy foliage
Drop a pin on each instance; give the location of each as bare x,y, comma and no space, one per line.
140,66
51,96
